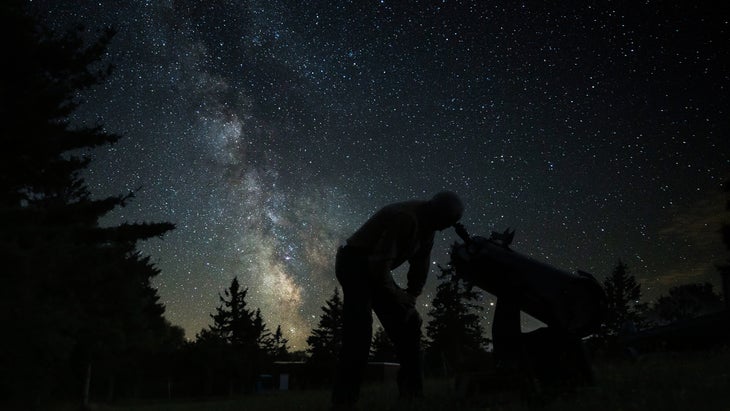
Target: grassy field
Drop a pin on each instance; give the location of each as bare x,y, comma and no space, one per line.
698,381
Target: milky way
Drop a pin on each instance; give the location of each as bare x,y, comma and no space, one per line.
269,130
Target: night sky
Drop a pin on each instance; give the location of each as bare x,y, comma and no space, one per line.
268,131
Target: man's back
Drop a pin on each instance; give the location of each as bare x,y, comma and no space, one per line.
392,233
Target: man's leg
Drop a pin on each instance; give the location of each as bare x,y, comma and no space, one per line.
357,330
403,326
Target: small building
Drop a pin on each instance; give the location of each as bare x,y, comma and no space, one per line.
287,375
294,375
382,372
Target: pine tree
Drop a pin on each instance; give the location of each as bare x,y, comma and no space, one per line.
455,332
382,349
39,95
211,358
264,341
277,346
73,290
244,333
237,325
326,340
623,294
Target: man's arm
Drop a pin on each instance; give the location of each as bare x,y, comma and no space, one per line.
385,251
379,270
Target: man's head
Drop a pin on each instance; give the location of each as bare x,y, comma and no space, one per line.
444,210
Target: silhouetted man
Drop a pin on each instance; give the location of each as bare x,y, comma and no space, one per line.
397,233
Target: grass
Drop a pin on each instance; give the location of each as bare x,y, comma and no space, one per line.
696,381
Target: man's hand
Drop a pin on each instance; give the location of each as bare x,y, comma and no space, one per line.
461,232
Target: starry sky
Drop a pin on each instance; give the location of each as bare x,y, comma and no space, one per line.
268,131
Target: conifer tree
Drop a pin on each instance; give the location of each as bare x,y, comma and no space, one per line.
73,290
624,308
326,340
277,346
243,334
455,332
382,349
234,322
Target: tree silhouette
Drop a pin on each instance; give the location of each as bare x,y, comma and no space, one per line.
39,95
213,361
75,293
687,301
234,322
244,332
264,335
454,332
277,346
326,340
382,349
623,294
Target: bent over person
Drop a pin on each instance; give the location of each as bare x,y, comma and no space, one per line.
395,234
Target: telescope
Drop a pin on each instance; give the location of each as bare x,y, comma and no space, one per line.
573,302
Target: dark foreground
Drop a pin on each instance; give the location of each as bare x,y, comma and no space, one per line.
664,381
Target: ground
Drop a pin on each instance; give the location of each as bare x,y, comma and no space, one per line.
678,381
